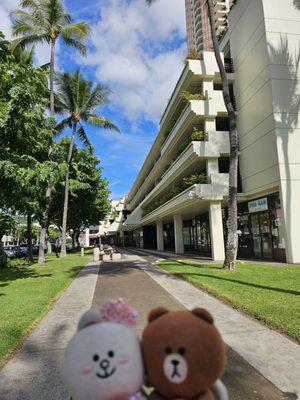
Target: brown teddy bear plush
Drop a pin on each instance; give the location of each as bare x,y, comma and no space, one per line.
184,355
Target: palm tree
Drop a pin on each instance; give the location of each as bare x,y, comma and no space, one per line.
44,21
78,98
232,224
232,237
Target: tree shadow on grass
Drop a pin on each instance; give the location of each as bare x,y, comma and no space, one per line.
10,274
255,285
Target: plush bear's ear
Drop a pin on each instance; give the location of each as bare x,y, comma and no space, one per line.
156,313
90,317
203,314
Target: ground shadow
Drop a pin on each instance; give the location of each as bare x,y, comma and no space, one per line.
9,274
255,285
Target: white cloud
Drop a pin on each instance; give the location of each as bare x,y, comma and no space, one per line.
6,6
137,50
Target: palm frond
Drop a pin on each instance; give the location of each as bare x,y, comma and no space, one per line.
101,122
84,138
23,16
61,126
79,30
75,43
28,4
29,40
98,97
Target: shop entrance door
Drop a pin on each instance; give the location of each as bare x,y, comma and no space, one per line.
261,236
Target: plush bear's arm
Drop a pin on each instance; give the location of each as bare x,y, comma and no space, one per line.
220,390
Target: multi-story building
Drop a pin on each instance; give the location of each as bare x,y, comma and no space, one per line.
169,212
110,230
178,196
198,26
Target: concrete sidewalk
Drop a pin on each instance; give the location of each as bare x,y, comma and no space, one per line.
34,372
141,284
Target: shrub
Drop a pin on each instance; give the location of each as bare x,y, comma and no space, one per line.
197,135
18,262
181,149
187,96
194,55
195,179
175,190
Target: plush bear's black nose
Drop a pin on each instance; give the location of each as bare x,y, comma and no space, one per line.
104,364
175,362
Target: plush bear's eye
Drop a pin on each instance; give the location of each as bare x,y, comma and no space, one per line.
96,357
110,353
181,351
168,350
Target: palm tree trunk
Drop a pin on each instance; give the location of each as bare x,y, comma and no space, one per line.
63,250
29,237
45,216
232,237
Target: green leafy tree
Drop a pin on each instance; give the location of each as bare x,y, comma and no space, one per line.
89,194
77,98
45,21
25,170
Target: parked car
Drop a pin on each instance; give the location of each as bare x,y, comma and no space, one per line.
23,249
12,251
35,249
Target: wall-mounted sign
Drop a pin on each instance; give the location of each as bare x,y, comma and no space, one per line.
258,205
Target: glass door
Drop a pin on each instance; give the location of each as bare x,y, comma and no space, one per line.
266,238
261,236
256,236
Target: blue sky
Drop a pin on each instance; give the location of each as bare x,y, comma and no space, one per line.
138,52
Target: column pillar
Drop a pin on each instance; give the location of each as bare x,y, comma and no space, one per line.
179,246
289,198
160,235
87,237
216,231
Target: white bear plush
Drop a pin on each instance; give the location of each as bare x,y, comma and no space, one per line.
103,360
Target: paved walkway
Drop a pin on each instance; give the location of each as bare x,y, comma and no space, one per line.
34,372
146,286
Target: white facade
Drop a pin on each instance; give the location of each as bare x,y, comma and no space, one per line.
264,37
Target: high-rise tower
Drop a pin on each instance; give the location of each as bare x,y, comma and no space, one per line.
198,26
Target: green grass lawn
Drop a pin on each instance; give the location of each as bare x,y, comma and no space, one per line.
27,292
269,293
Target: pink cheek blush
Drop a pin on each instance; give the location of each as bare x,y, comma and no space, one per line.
86,370
122,360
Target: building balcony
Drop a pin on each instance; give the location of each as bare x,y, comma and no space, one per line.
193,73
216,190
209,108
216,146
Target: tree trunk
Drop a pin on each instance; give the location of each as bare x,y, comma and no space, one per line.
3,258
29,237
49,246
45,216
63,250
232,237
